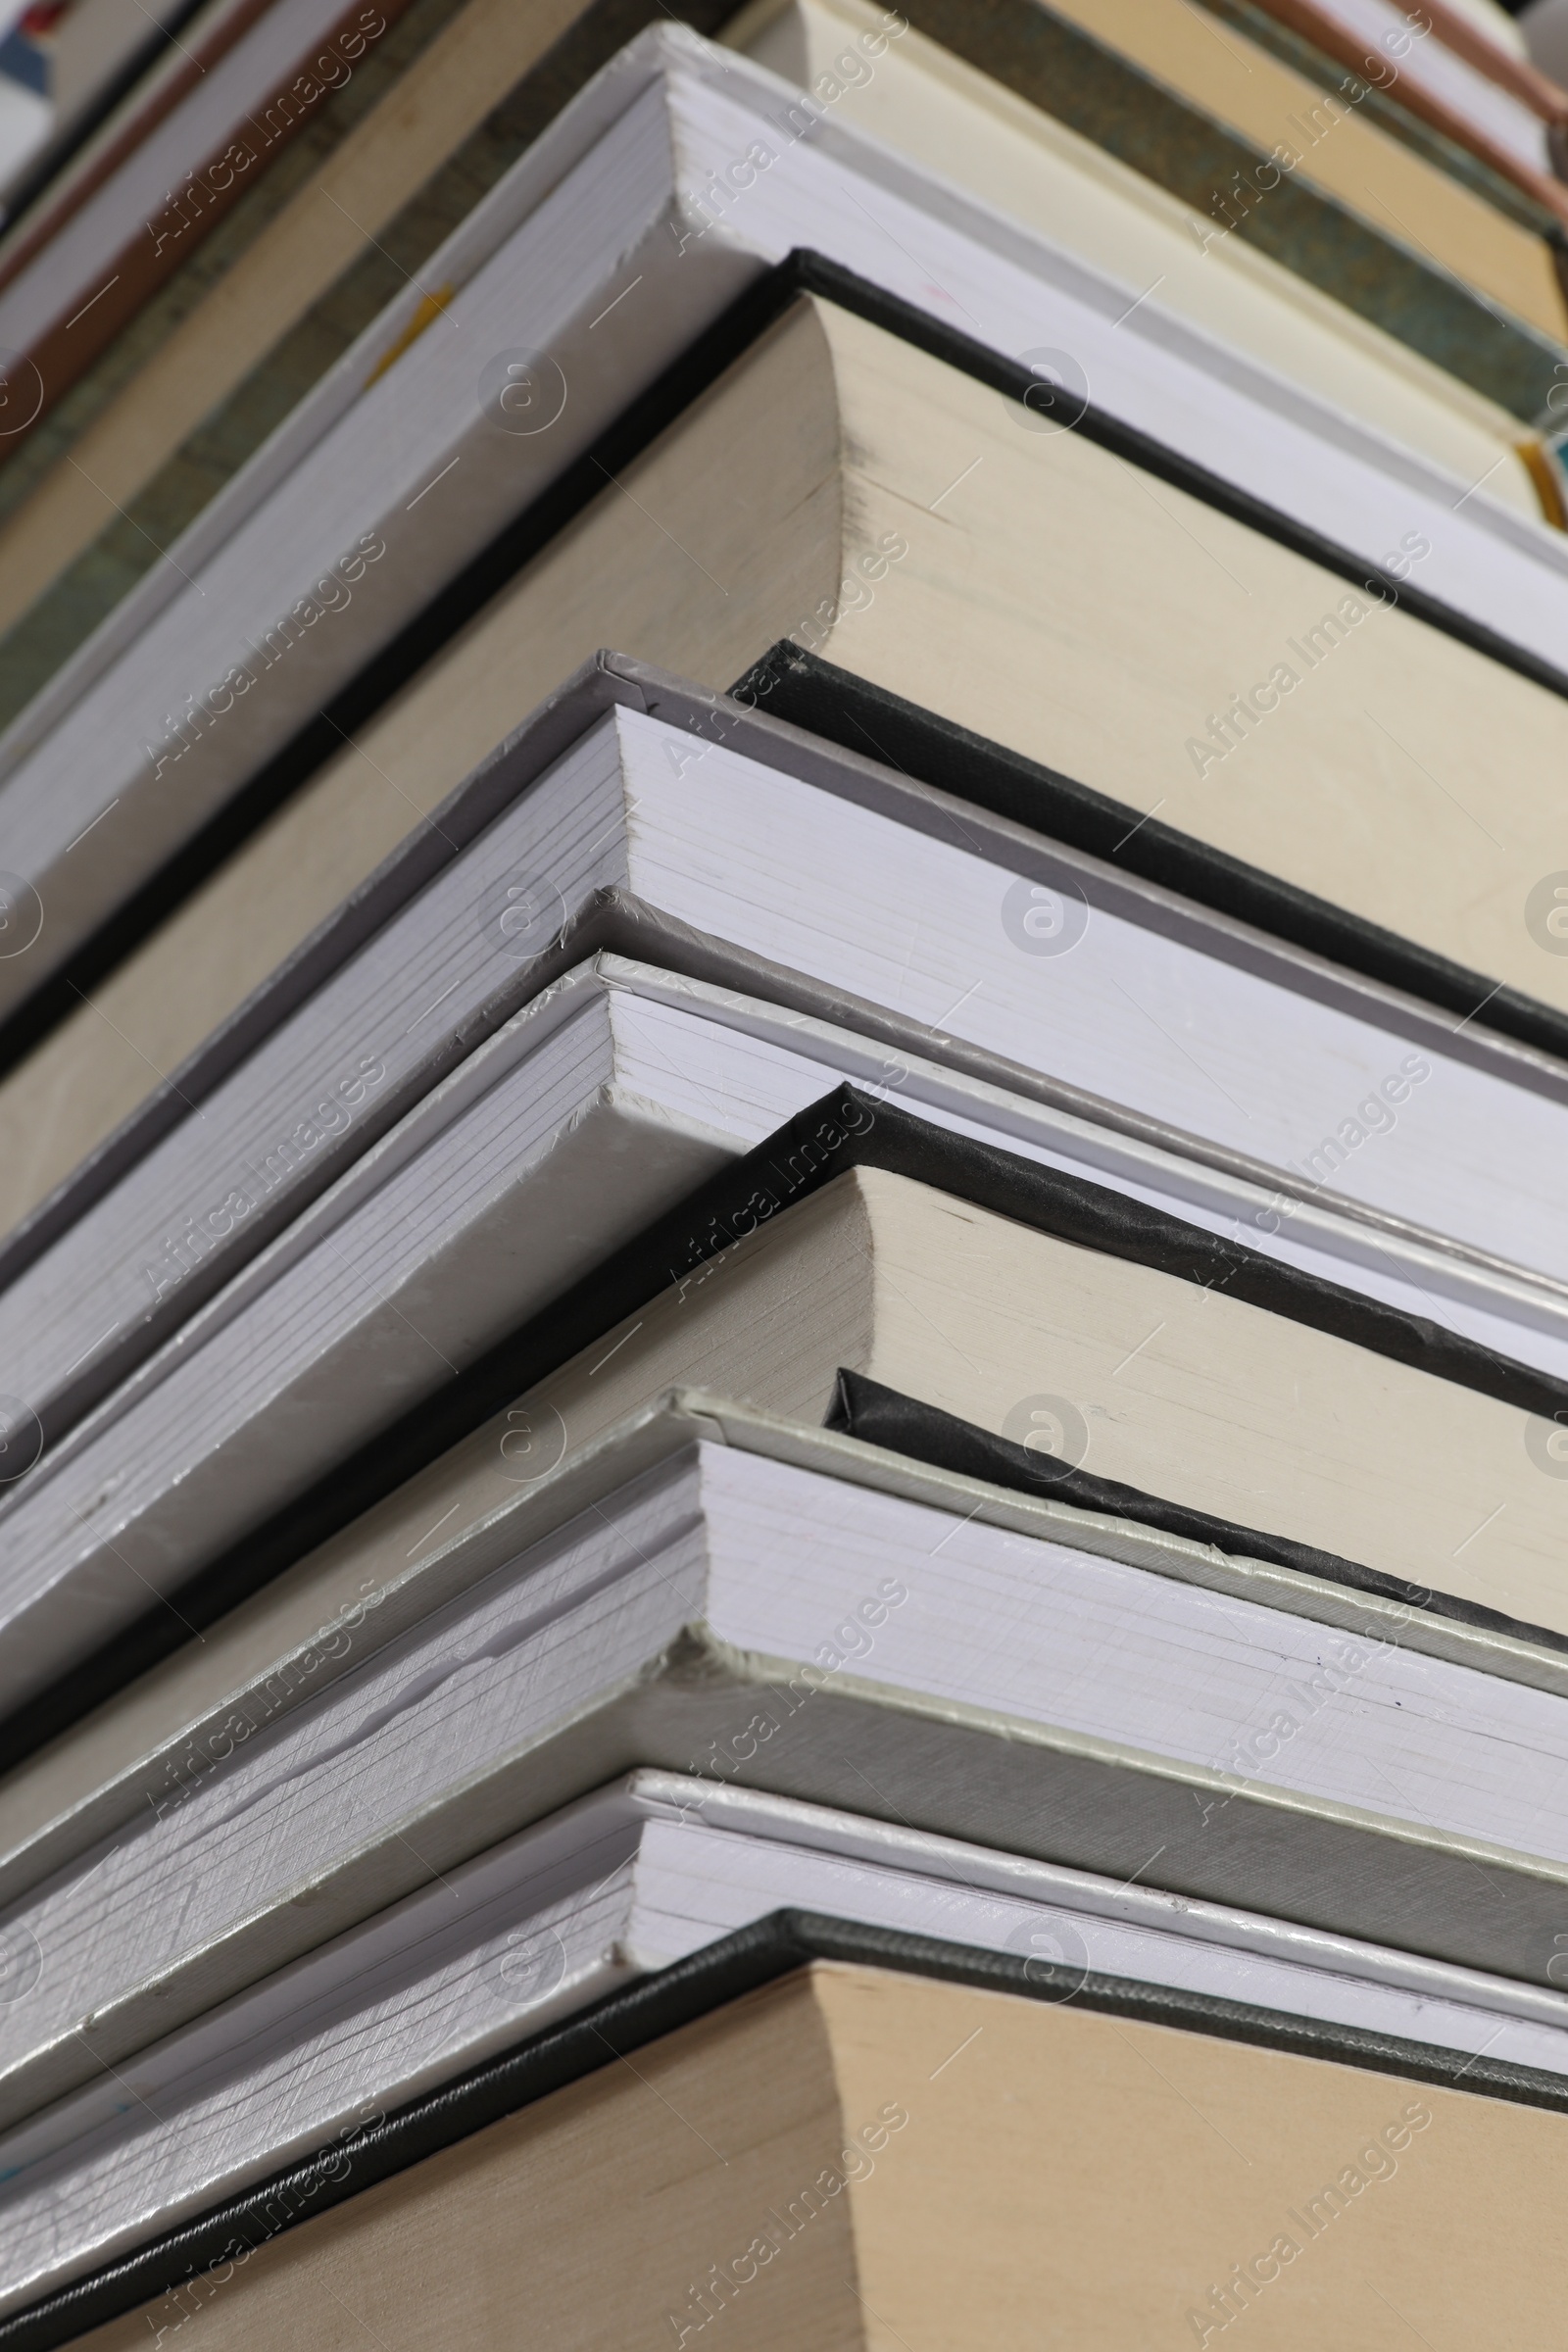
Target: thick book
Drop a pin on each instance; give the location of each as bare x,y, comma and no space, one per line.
696,1611
1261,1397
188,689
589,1907
98,524
596,827
823,2135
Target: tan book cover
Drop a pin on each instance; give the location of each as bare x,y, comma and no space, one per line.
862,2161
1455,104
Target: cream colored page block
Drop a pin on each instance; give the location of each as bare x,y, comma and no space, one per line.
747,483
583,2222
1057,598
1370,172
945,116
1084,2182
769,1323
1185,1394
1200,1397
1067,603
294,260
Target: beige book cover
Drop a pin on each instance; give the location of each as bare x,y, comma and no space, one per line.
862,2161
1168,1386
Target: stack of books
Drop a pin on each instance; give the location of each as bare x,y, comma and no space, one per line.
783,1280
